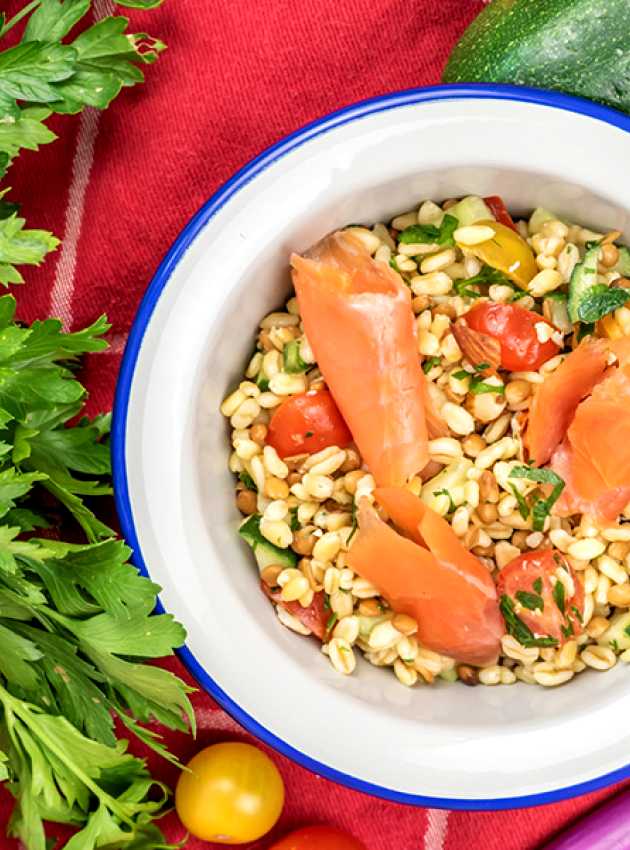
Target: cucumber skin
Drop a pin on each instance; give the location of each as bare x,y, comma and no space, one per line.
579,282
577,46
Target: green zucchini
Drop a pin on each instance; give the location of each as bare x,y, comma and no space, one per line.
470,209
293,363
264,551
584,277
577,46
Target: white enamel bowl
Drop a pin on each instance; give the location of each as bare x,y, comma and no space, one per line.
447,745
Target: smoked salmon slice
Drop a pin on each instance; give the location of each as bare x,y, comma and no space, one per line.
358,319
600,431
585,491
556,399
429,576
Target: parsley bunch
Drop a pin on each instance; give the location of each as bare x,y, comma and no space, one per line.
76,621
75,618
49,71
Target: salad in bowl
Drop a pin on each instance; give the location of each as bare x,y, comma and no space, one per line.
431,444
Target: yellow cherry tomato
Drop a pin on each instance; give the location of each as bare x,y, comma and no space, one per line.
231,793
508,252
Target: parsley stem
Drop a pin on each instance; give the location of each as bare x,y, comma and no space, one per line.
19,15
28,716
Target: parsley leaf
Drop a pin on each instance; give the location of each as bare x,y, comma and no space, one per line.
452,506
542,507
247,480
559,596
523,507
487,276
538,585
517,628
429,234
532,601
430,363
76,621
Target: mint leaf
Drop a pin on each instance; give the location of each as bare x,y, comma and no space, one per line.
517,628
600,300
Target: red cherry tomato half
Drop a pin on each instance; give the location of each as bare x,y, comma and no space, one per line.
499,211
515,328
315,617
318,838
307,423
531,582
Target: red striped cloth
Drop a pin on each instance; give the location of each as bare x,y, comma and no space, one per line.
119,187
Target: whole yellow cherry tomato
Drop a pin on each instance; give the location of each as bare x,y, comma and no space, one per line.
508,252
231,793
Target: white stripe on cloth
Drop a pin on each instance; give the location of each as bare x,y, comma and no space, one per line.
437,827
63,286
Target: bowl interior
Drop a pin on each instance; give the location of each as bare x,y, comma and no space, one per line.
445,742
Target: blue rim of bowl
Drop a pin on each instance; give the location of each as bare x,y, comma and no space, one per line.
242,177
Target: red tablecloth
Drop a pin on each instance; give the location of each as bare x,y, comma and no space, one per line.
119,187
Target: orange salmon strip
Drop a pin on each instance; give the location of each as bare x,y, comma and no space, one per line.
453,602
358,319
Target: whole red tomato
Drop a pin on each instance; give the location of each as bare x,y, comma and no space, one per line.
318,838
307,423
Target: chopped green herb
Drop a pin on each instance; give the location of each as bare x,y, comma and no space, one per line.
464,290
262,382
428,234
294,523
577,614
532,601
487,275
248,481
331,621
538,585
567,630
394,265
559,596
430,363
542,507
592,243
523,507
517,628
355,524
614,645
461,375
627,630
478,387
452,505
309,433
584,330
481,367
326,602
600,300
518,294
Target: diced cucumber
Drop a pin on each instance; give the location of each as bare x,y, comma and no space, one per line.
264,551
366,624
623,263
293,363
618,632
470,209
538,218
449,675
262,382
583,278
